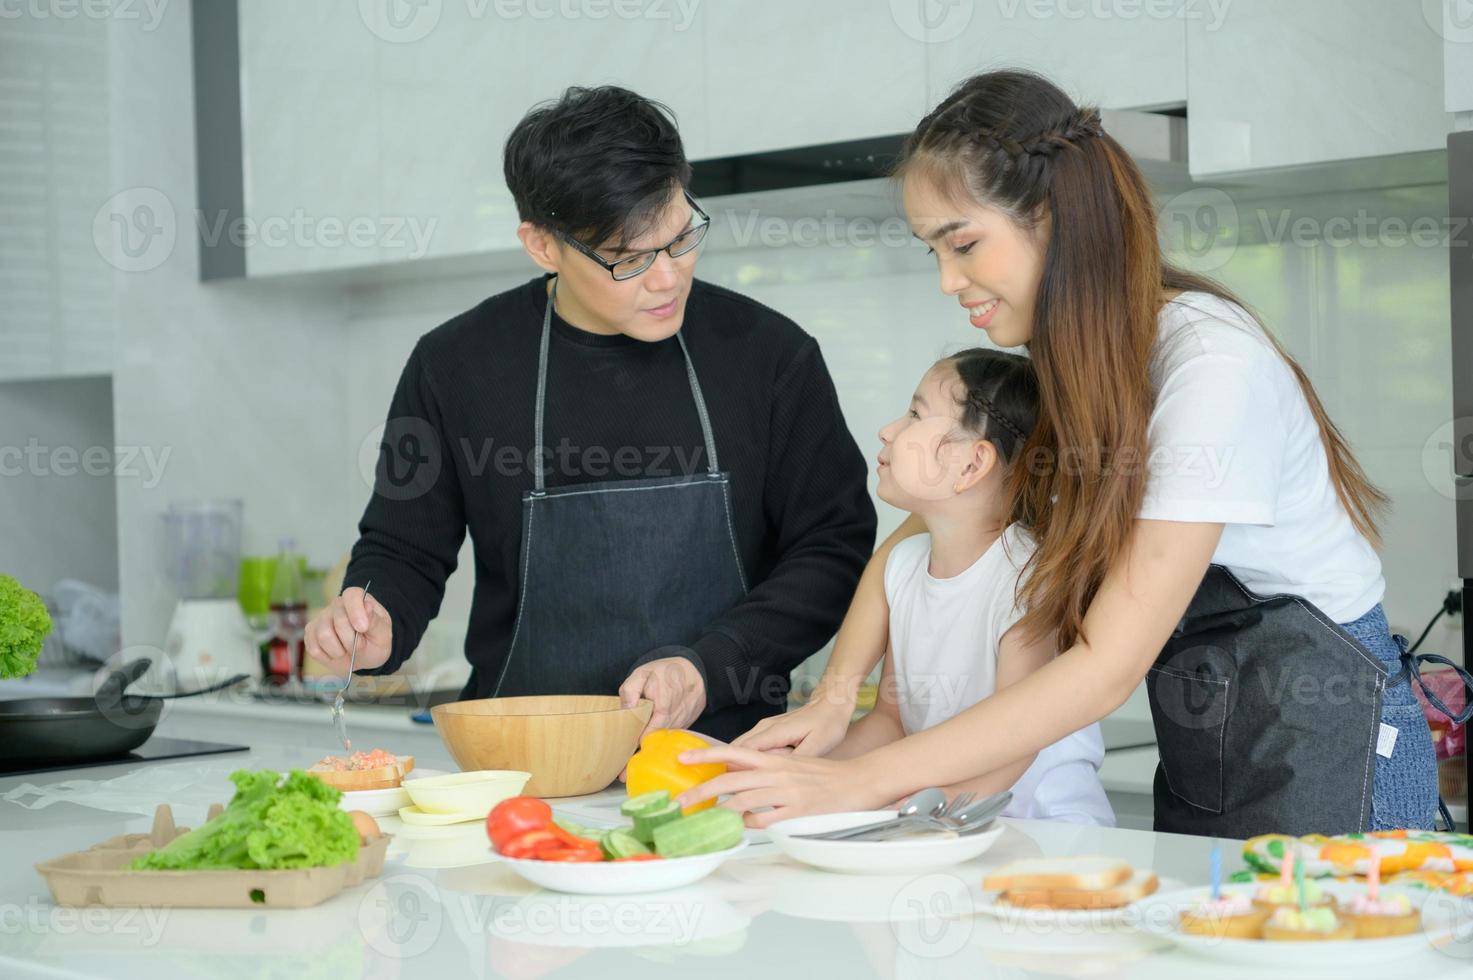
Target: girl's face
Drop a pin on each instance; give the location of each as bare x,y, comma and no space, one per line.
990,264
922,458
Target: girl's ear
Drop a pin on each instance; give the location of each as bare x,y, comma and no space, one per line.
539,243
982,461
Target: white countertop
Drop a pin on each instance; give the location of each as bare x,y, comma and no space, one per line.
444,906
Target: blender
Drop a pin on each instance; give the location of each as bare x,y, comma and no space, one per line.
209,638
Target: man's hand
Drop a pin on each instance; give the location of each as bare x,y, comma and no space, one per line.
674,685
329,635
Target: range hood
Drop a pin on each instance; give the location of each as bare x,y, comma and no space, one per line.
851,179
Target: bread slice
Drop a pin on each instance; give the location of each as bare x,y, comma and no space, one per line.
1048,874
1141,884
355,780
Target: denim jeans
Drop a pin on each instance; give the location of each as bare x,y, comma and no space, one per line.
1404,794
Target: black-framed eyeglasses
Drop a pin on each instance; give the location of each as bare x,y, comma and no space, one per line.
632,265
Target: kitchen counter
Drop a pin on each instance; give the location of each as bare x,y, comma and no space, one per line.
445,906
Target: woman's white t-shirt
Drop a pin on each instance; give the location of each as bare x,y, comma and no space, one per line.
1233,441
944,636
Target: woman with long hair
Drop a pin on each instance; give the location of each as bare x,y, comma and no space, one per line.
1201,522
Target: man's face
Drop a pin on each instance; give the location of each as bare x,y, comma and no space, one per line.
648,307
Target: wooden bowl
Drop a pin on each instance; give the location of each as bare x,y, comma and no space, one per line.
572,744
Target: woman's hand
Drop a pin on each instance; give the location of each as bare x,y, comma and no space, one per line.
793,785
816,728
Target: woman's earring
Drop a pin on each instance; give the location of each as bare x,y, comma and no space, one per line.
956,488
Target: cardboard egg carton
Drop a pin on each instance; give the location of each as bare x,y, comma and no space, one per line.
100,876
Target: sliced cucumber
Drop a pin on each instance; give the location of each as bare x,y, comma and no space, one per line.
647,821
620,843
644,801
700,833
578,829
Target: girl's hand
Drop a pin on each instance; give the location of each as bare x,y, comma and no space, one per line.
793,785
814,729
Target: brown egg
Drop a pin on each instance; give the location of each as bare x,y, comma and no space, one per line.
366,825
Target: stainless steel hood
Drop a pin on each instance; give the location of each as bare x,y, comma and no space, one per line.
851,179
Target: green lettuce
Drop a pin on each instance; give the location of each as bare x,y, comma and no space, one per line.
269,823
24,624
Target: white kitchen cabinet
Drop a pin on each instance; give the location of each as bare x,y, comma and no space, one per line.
1315,81
310,138
1125,54
447,102
379,127
781,74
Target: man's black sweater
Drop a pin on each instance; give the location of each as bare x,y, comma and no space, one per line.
457,455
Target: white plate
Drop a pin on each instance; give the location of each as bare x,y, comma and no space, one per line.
1159,915
619,877
383,802
990,903
873,857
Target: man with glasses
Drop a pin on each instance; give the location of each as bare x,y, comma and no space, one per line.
663,496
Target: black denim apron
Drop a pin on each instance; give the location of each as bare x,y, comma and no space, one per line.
1266,716
614,570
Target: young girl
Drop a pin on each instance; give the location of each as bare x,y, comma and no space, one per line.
950,593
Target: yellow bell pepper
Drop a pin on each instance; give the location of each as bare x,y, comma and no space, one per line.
655,766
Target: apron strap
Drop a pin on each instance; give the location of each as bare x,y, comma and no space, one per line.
539,477
1411,669
695,390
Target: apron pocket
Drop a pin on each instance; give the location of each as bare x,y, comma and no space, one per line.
1189,710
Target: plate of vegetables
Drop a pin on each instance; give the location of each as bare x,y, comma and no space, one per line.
662,847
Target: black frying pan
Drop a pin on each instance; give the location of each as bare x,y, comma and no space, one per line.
52,731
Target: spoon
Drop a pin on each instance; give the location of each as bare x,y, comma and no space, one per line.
923,805
339,723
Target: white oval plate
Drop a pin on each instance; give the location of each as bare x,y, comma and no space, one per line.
1160,911
619,877
873,857
383,802
990,903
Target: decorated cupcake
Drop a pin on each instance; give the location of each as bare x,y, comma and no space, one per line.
1378,916
1226,917
1382,917
1286,893
1320,924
